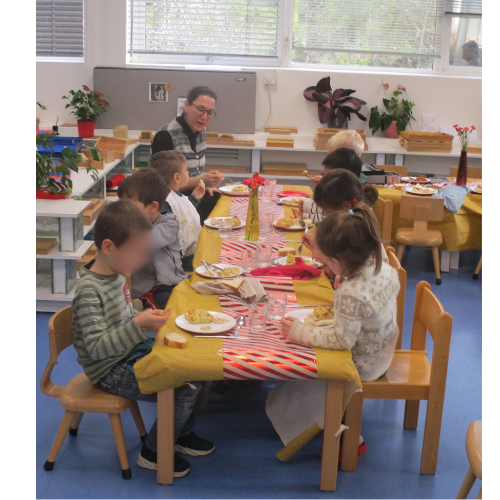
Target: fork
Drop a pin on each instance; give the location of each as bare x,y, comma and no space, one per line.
299,251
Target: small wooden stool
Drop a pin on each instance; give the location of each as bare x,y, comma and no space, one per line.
474,450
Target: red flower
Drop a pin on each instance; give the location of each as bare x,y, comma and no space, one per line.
98,94
86,88
466,128
455,126
400,87
385,85
246,182
472,127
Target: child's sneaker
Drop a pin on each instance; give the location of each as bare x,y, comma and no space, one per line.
147,460
191,444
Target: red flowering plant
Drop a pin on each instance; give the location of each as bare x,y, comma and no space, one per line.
463,135
87,104
254,182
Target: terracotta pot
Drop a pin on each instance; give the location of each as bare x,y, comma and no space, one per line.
392,131
86,129
47,195
462,169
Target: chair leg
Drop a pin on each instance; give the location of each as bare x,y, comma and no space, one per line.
401,251
59,439
136,414
73,430
478,268
437,270
469,481
480,494
350,437
412,408
116,425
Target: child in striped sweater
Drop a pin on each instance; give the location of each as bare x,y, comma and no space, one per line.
109,339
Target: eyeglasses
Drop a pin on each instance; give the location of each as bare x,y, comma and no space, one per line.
201,111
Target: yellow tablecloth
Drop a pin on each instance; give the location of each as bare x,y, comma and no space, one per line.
461,230
167,367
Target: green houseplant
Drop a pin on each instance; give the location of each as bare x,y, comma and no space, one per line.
87,105
397,114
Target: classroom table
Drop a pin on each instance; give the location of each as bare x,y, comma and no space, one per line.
269,357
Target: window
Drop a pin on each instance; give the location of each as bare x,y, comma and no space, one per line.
393,33
209,28
59,28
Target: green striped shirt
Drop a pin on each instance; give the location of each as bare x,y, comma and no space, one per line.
105,331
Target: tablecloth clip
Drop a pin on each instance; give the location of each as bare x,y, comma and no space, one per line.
341,430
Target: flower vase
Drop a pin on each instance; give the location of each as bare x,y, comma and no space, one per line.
252,224
462,169
86,128
392,131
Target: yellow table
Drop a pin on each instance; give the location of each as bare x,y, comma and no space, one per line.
166,368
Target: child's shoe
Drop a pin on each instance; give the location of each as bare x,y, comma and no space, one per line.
148,458
191,444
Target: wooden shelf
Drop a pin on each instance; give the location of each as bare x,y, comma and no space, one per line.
56,254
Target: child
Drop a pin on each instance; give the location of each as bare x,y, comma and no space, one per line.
109,339
172,167
364,314
154,283
346,139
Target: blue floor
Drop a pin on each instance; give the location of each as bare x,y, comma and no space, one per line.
244,464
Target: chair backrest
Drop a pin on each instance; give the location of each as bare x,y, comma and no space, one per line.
60,337
472,172
383,212
398,169
421,210
394,262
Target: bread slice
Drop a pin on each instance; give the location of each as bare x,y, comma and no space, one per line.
283,252
233,284
176,340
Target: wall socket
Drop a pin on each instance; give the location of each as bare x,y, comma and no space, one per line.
270,77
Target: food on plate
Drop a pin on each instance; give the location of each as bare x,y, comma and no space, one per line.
308,222
202,316
236,221
479,188
321,316
293,202
399,186
215,221
290,259
207,328
225,272
233,284
420,178
240,189
175,340
290,223
422,190
284,252
309,261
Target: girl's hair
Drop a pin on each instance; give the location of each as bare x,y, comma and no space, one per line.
341,186
343,158
195,92
346,139
351,237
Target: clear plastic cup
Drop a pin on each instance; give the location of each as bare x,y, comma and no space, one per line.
266,220
276,305
225,226
266,193
272,183
248,259
263,254
257,317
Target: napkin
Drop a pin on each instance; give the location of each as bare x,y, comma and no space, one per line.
251,289
115,181
454,196
300,270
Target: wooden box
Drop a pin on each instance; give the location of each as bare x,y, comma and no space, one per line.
45,245
323,135
283,168
119,146
434,142
120,132
215,139
281,130
279,142
146,136
92,211
108,155
212,135
475,148
89,255
98,165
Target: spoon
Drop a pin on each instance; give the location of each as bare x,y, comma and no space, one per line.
241,321
275,261
299,251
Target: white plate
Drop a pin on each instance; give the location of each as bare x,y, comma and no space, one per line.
208,223
203,272
183,323
229,190
287,200
474,190
300,314
413,180
410,189
282,261
290,228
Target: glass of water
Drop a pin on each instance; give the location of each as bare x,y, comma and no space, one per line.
272,183
266,220
277,305
225,226
263,255
266,193
248,259
257,317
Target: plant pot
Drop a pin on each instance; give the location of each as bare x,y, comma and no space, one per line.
47,195
462,169
86,129
392,131
252,224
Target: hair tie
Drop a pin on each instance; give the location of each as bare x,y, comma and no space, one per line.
351,212
354,201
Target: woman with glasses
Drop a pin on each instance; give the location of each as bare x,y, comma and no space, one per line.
187,134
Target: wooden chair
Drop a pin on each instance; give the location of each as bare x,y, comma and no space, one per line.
478,268
472,172
383,212
474,450
410,377
421,211
394,262
80,396
398,169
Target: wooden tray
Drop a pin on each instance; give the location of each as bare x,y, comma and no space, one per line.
146,136
279,142
45,245
281,130
120,132
425,146
426,137
323,135
92,211
119,146
283,168
89,255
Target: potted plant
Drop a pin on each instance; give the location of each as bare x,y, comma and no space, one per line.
335,107
53,179
87,106
397,115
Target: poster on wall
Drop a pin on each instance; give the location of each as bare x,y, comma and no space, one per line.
158,92
180,105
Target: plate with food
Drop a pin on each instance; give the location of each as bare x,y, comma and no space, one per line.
214,222
296,194
291,201
421,190
235,190
227,271
205,322
289,260
477,189
291,224
421,179
319,316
